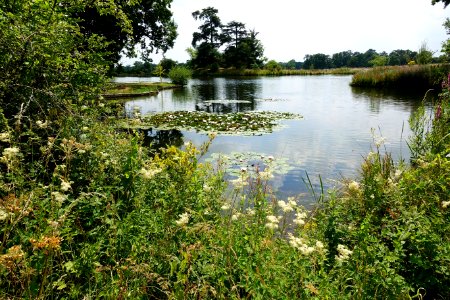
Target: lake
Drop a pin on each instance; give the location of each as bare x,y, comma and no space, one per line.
330,141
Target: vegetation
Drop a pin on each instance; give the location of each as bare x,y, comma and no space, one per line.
134,89
412,77
88,211
242,48
180,75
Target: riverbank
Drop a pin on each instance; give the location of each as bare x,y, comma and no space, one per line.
412,77
128,90
231,72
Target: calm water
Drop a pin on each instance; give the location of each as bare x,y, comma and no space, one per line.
330,141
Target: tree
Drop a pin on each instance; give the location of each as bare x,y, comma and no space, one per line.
47,64
446,2
234,32
124,24
379,60
317,61
210,29
424,56
341,59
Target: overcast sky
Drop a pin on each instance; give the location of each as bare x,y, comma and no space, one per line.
290,29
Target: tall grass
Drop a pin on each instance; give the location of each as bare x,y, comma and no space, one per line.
412,76
277,72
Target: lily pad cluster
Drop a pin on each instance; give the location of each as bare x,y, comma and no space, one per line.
251,162
244,123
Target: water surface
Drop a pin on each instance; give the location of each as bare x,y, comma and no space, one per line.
330,141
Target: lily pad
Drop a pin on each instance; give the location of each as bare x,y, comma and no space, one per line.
240,123
226,102
236,163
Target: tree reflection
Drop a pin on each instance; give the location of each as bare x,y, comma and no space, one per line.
157,139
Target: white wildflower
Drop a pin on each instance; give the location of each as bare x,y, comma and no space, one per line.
183,220
371,155
85,128
300,218
353,186
10,153
272,219
292,202
41,124
4,137
273,222
226,206
65,186
319,245
235,217
379,141
305,249
59,197
3,215
206,188
250,212
344,253
149,173
272,226
284,206
445,204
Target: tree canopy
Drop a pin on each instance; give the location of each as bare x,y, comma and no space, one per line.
242,48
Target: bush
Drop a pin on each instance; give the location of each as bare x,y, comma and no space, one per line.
180,75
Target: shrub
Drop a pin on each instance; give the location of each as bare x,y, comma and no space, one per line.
180,75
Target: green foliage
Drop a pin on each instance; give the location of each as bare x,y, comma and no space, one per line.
424,56
411,76
180,75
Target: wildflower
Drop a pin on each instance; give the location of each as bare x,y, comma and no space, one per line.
353,186
273,222
101,104
344,253
319,245
10,153
3,215
299,218
59,197
445,204
226,206
206,188
41,124
65,186
149,173
266,175
305,249
235,217
250,212
239,182
380,141
371,155
85,128
4,137
183,220
47,242
285,207
292,202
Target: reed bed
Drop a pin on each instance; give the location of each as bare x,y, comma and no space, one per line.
414,76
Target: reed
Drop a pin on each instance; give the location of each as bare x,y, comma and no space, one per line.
281,72
412,76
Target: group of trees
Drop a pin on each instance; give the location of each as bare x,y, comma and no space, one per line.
55,53
241,47
369,58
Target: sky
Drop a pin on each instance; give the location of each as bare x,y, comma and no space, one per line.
291,29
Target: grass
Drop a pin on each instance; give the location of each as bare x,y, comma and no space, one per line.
410,77
281,72
133,89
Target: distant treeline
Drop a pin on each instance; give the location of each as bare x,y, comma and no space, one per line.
319,61
370,58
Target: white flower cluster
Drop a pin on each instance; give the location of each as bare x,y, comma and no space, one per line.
183,220
59,197
353,186
272,222
149,173
301,245
445,204
4,137
10,153
300,218
65,185
344,253
289,206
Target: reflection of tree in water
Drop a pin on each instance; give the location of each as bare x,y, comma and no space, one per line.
409,99
226,90
157,139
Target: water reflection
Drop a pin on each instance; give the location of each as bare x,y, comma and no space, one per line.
329,142
157,139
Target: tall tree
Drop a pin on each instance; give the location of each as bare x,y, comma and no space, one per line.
125,24
234,32
446,2
210,29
